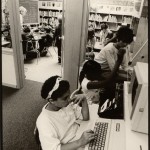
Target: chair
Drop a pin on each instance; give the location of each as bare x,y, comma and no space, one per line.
36,136
29,50
47,43
46,48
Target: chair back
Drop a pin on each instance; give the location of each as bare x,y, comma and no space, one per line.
24,46
48,40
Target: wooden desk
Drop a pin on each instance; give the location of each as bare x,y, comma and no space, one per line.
98,46
4,43
132,140
115,143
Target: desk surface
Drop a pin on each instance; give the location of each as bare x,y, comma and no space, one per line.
118,140
38,36
5,42
132,140
98,45
6,50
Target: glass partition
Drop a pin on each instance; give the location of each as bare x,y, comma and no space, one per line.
5,28
12,58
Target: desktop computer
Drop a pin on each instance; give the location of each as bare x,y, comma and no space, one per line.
109,134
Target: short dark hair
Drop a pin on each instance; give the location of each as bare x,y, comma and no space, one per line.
26,29
89,69
104,26
48,30
125,34
49,84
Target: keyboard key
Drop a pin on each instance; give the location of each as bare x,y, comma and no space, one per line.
100,130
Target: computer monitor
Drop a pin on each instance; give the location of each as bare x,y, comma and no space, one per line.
138,104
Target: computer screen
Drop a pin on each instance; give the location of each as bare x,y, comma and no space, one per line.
134,90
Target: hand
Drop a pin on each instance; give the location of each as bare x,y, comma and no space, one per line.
86,137
121,53
79,98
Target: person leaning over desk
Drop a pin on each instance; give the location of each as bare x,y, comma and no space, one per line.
92,81
57,123
27,39
108,55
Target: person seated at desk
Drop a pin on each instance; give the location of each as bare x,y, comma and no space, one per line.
105,34
108,55
57,123
92,82
27,37
45,41
44,26
6,34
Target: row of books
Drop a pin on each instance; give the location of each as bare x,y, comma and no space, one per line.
113,27
110,18
51,21
50,13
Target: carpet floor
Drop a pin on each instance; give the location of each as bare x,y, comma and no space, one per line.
20,109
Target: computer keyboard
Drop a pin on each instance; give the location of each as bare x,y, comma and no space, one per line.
100,130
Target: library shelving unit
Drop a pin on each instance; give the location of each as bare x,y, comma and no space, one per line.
49,11
112,20
113,13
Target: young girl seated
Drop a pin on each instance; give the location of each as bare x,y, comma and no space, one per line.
91,80
57,123
91,71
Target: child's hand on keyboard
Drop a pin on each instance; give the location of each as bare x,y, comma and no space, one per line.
86,137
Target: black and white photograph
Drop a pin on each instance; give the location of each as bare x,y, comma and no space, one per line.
74,75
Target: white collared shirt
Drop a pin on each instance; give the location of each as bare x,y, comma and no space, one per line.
107,58
58,127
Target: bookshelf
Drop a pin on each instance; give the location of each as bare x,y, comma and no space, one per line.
114,13
49,11
112,20
99,18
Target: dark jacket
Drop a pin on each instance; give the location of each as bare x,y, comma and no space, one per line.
57,35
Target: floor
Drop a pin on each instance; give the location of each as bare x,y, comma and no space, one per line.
47,66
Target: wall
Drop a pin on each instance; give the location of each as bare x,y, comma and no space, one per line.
74,23
141,38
